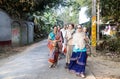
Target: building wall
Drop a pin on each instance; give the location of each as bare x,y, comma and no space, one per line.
30,32
24,33
16,33
5,28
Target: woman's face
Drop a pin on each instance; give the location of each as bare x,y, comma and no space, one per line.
79,29
58,28
70,27
55,29
84,30
65,27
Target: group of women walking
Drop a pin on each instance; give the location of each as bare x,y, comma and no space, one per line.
73,40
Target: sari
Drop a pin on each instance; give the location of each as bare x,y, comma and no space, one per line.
79,55
54,48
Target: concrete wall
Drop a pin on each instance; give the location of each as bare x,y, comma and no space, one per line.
15,32
30,32
24,33
5,26
5,29
16,36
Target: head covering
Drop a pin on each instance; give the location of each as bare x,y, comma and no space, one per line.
84,28
78,39
79,26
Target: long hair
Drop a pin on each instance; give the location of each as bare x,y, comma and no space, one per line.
72,25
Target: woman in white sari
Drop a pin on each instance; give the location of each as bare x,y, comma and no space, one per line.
78,58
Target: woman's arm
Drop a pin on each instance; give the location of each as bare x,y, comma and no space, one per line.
86,39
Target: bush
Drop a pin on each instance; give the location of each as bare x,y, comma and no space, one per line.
111,45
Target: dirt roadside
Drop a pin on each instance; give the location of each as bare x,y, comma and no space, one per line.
104,69
9,51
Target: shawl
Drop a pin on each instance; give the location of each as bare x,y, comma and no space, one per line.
79,40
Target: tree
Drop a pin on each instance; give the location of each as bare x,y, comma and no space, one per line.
69,16
70,11
86,3
110,10
21,8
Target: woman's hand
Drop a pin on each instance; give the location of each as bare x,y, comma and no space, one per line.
86,40
54,41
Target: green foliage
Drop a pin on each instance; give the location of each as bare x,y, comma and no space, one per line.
70,14
86,3
110,9
112,45
106,37
19,8
44,21
42,12
67,18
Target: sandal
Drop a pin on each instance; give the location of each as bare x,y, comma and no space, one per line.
82,75
51,66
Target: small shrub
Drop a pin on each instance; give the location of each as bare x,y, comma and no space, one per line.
111,45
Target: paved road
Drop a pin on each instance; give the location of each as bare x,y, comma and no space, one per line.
32,64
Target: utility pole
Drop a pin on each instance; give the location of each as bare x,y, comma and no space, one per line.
98,19
93,27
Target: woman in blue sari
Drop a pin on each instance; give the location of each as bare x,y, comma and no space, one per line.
78,58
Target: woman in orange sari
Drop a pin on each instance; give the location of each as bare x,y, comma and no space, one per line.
54,40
